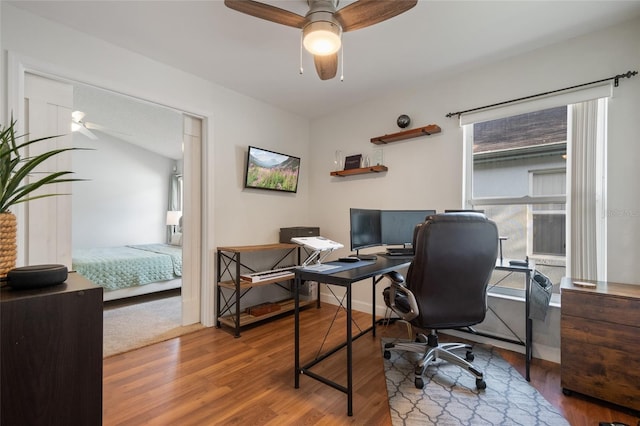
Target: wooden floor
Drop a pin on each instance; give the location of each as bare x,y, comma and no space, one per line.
211,378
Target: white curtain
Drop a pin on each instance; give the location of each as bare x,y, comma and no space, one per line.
175,200
586,179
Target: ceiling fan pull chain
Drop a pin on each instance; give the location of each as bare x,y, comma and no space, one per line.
301,69
342,62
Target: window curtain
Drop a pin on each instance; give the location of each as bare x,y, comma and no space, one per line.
175,200
175,192
586,176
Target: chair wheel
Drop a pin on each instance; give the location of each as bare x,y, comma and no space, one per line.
388,345
419,383
387,355
469,356
481,384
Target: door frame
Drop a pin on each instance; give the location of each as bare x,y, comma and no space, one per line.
201,299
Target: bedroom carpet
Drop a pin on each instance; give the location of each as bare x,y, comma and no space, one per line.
129,326
450,397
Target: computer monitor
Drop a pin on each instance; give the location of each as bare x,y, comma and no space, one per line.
365,228
397,226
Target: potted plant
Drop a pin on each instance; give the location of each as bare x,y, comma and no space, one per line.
14,189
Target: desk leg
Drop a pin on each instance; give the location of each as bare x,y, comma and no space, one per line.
373,310
349,356
237,282
296,310
529,326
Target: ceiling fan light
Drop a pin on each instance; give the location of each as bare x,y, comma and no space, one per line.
75,126
322,38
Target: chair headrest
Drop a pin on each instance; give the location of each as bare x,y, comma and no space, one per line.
458,217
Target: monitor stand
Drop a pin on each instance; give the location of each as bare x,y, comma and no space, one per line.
365,256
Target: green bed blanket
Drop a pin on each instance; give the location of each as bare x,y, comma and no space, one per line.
121,267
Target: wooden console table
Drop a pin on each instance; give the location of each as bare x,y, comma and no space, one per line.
600,346
229,267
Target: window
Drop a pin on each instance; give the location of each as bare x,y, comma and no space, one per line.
548,236
518,176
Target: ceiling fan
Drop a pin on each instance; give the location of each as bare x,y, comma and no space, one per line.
324,23
79,125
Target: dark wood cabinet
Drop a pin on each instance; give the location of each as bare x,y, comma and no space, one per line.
51,355
600,346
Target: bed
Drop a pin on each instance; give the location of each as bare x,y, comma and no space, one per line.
131,270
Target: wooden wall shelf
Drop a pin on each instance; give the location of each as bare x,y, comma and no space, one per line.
360,171
407,134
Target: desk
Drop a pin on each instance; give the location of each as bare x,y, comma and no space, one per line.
503,265
344,278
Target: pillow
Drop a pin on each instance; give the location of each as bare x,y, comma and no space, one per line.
176,239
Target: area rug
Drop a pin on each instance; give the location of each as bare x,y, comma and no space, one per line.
449,396
133,326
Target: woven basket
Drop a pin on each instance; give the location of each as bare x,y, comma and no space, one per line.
8,247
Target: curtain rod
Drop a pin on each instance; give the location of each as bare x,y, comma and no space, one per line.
616,79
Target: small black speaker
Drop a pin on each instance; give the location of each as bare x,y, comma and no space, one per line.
36,276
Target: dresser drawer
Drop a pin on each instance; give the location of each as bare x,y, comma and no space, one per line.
600,341
595,306
601,372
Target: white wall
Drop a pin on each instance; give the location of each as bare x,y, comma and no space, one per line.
427,172
108,210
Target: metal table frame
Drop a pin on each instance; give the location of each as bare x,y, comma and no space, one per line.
344,278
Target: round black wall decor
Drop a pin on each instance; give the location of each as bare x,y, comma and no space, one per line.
403,121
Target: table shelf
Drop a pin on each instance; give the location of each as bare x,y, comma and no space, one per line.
246,319
360,171
407,134
231,288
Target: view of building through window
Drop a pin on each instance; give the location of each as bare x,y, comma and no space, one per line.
519,180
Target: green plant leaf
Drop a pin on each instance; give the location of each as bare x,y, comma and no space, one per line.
14,169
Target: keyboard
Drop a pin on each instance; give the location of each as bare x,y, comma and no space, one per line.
400,251
256,277
320,267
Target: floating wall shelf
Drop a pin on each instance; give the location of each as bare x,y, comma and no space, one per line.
362,170
407,134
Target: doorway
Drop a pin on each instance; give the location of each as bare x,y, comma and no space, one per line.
114,125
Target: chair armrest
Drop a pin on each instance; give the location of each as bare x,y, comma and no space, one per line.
395,288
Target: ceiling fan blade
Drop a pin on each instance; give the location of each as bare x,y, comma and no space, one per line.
88,133
364,13
94,126
267,12
326,66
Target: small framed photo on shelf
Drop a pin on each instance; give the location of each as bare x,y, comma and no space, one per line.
352,162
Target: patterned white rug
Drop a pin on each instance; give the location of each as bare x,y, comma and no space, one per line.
450,397
129,326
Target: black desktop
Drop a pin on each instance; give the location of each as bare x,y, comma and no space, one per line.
370,228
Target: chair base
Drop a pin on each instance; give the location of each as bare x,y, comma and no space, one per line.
431,350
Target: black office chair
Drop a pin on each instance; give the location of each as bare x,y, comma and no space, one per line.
446,287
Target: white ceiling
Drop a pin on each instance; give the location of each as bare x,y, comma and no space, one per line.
261,59
112,115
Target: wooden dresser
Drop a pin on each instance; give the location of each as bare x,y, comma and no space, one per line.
600,346
51,348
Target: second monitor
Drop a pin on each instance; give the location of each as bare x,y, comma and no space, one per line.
397,226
